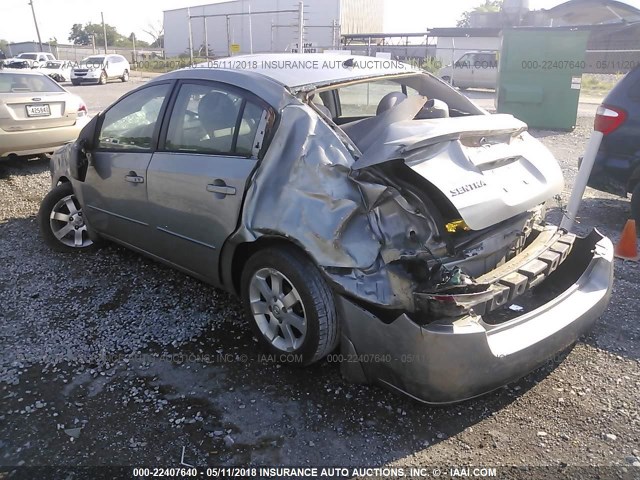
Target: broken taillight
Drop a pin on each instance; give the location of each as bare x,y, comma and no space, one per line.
608,119
82,110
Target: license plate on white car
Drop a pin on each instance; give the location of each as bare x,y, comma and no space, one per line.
38,110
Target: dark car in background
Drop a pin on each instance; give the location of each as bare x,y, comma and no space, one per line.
617,165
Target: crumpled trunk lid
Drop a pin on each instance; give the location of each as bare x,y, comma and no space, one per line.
487,166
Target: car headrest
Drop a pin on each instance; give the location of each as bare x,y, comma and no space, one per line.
214,111
389,101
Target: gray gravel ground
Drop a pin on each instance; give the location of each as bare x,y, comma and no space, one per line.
110,358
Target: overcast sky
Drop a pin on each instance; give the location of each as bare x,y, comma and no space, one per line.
55,17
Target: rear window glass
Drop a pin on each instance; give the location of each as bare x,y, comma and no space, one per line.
28,56
21,83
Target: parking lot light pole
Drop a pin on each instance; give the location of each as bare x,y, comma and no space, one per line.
581,180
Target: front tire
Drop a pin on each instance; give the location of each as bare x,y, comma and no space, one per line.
61,221
290,307
103,78
125,76
75,82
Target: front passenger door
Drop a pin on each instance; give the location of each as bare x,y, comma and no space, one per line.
114,192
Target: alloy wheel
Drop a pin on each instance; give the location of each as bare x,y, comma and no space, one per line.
67,223
277,309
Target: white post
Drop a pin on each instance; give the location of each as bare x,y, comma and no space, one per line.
190,37
228,37
206,39
250,32
301,27
581,180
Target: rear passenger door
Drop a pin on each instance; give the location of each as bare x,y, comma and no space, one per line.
210,145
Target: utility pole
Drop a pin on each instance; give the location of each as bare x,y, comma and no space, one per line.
206,39
104,32
190,38
250,32
133,40
35,21
301,27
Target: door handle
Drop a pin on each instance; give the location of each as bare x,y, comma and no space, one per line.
221,189
134,178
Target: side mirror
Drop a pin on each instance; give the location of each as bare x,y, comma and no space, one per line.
82,150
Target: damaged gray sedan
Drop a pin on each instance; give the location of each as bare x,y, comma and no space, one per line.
349,202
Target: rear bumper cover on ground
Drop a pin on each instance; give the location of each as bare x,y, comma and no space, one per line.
454,360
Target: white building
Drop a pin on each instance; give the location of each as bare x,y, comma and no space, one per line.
228,27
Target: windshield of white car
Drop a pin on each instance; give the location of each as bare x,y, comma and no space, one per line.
28,56
92,61
23,83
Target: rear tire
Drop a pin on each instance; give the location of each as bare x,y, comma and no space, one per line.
290,306
61,221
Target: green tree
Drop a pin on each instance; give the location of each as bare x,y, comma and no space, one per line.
78,35
487,6
81,35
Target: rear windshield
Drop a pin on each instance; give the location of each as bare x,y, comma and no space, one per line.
21,83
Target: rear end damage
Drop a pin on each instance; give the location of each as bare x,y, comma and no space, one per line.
456,358
464,255
423,271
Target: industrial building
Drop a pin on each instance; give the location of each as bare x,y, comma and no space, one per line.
258,26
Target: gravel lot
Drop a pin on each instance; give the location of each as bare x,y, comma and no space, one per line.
111,359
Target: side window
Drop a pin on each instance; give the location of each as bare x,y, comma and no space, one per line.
486,60
130,123
362,99
210,119
466,61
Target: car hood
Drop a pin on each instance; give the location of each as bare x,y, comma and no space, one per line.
487,166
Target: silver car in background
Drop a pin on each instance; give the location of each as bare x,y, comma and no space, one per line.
349,202
36,114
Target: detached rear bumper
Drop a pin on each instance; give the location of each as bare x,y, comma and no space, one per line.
456,359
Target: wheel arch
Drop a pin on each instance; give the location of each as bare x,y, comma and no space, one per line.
232,269
63,179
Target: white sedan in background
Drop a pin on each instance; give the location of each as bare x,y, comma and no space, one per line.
36,114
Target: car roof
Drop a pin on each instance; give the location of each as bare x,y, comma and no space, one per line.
296,71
